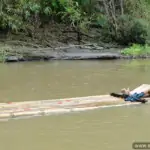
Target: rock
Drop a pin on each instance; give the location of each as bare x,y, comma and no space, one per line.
11,59
99,48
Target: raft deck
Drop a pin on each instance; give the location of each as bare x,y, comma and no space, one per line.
17,110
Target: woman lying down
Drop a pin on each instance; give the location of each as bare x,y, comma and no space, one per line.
136,97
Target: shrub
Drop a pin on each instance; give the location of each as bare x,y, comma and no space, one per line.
136,50
129,30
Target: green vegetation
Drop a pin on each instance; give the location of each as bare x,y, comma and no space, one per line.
4,52
122,21
137,50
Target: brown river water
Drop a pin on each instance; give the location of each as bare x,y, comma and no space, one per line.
102,129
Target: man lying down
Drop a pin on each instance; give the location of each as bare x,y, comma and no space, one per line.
135,97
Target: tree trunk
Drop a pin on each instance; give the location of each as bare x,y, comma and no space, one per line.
121,6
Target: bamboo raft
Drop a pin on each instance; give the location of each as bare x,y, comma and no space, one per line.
18,110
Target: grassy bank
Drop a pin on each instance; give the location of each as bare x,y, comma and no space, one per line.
137,50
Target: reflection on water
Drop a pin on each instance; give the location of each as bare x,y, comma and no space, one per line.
114,128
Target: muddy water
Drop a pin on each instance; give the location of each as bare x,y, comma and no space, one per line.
113,128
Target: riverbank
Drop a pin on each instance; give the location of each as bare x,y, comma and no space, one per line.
67,30
68,52
55,44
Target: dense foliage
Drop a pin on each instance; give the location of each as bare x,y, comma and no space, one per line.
124,21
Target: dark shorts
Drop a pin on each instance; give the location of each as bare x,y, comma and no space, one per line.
135,97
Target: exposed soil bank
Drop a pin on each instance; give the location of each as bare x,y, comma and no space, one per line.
63,53
57,45
84,52
66,53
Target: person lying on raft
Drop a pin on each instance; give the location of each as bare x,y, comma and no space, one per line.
136,97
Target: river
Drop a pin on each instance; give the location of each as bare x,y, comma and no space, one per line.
102,129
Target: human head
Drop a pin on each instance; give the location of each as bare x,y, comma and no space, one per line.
123,91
